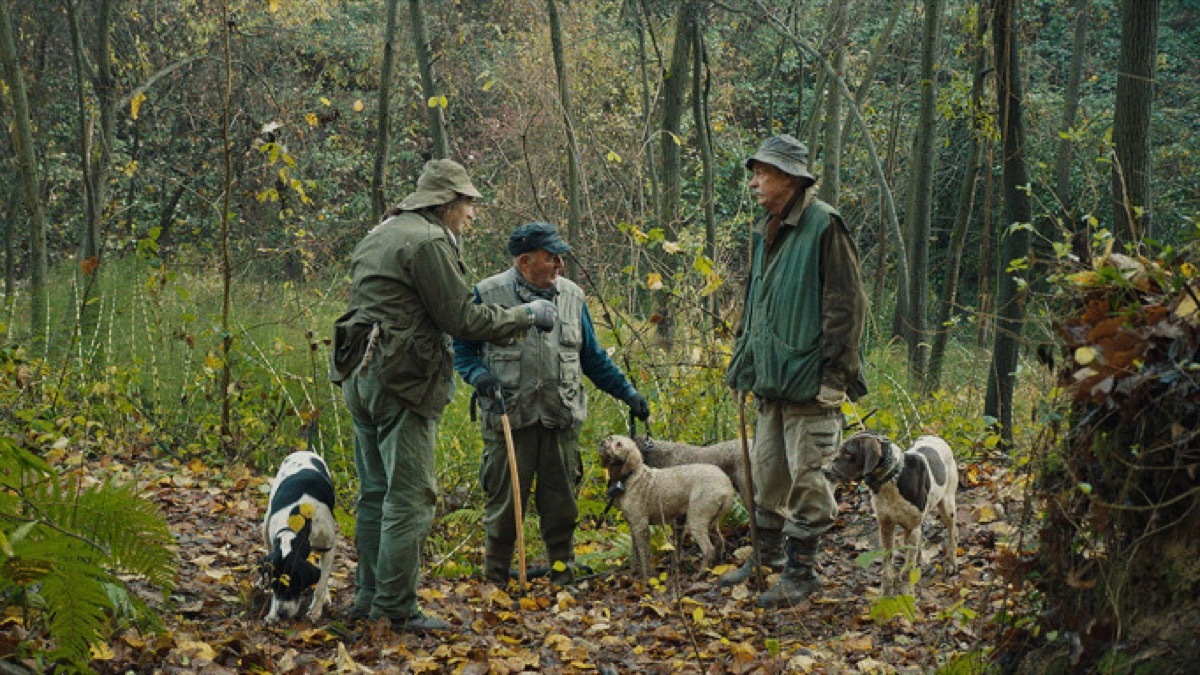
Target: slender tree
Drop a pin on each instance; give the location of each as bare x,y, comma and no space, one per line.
383,120
675,86
651,172
975,135
704,142
27,164
921,213
95,154
1131,120
226,213
434,108
831,167
1062,164
564,101
1018,212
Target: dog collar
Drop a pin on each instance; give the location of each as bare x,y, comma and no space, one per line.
888,469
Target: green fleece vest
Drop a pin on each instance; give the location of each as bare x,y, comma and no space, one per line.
779,351
541,374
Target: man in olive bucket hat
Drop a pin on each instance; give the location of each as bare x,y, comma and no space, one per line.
798,350
393,360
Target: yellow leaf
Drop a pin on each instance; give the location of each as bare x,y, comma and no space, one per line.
308,510
101,651
558,566
1085,355
135,104
272,6
325,102
654,281
487,86
613,157
358,106
443,102
432,102
213,361
698,614
312,120
296,522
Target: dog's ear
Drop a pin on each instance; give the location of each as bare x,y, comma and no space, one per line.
268,567
872,452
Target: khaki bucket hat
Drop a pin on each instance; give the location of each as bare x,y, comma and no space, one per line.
785,153
441,181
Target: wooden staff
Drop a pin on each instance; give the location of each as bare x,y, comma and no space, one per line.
758,561
516,489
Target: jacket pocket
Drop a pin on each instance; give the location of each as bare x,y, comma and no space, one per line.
351,333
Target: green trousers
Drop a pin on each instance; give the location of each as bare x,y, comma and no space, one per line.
549,468
397,495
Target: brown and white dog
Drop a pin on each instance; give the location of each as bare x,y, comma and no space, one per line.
299,521
649,496
905,487
726,456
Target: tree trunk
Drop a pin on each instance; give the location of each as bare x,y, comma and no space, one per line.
831,165
1132,219
922,203
564,99
1062,165
1018,211
437,118
962,217
704,141
39,312
675,86
647,112
226,212
383,120
96,162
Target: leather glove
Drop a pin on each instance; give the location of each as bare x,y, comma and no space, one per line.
487,386
639,406
828,397
544,314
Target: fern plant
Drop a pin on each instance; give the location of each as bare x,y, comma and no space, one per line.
63,547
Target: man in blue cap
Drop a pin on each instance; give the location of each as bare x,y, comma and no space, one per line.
541,379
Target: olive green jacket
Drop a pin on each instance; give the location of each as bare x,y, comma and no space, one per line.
805,308
407,278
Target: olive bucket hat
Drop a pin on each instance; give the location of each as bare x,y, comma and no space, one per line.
785,153
440,182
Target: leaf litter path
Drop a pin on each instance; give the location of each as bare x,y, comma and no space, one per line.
611,623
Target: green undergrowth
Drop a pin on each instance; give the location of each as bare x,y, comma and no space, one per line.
143,382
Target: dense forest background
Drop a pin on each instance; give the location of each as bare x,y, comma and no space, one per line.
182,182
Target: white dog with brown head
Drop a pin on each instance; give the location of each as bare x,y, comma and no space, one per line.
700,492
905,487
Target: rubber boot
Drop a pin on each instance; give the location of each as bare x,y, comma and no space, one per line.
799,579
771,543
496,562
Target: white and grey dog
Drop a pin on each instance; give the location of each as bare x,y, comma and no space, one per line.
905,487
648,496
299,522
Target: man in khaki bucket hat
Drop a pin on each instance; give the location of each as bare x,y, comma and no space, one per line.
798,350
393,360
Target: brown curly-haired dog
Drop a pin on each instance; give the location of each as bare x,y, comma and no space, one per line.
726,456
701,492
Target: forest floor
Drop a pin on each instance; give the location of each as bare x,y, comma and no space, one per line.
609,623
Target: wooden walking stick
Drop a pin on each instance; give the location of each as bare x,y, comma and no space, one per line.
758,561
516,489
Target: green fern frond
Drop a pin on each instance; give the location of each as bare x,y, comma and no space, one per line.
128,529
463,517
72,591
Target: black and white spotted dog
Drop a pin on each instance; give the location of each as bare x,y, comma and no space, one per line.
299,522
905,486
